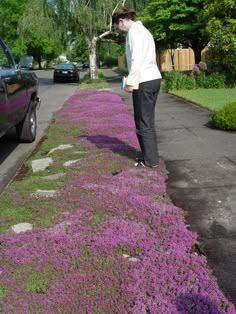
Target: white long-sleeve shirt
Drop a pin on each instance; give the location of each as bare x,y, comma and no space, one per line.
140,55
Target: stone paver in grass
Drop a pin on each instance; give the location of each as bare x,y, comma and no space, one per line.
60,147
44,193
41,164
71,162
22,227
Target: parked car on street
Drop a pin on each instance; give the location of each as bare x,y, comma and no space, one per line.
65,72
18,95
85,65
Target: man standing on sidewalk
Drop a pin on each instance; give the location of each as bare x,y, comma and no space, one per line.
143,81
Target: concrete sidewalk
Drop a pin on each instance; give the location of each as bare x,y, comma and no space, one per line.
202,178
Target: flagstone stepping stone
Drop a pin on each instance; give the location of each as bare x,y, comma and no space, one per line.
41,164
60,147
22,227
133,259
55,176
44,193
71,162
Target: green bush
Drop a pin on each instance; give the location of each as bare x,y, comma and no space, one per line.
225,117
215,80
177,80
230,80
110,61
169,81
200,79
186,82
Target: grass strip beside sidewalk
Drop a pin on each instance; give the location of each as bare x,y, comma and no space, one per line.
210,99
110,240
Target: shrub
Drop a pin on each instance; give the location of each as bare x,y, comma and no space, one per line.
200,79
197,78
169,80
215,80
225,117
110,61
230,80
187,82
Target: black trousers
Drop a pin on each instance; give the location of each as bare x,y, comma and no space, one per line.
144,102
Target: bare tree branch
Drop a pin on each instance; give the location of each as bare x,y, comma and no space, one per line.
120,2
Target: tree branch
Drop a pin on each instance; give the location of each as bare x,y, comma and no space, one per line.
123,3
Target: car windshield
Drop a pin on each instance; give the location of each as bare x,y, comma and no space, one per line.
65,66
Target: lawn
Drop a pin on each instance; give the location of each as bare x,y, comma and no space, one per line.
211,99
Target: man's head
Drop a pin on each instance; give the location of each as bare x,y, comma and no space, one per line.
122,19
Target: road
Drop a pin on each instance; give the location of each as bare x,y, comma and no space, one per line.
12,154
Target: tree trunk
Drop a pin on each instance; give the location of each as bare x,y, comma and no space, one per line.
197,46
172,53
197,55
92,58
39,62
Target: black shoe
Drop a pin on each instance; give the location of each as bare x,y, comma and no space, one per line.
139,164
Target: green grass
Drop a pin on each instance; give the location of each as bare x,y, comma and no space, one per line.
100,83
16,203
211,99
95,85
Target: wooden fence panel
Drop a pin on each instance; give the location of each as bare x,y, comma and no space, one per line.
183,59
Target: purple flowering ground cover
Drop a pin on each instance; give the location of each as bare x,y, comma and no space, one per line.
117,244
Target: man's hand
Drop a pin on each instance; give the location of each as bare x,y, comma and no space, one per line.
128,88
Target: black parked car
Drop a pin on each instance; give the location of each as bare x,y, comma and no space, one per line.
85,65
18,95
66,72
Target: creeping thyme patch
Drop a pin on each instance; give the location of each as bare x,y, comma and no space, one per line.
111,241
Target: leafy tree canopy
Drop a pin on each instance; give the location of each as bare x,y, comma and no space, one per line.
38,33
221,28
89,19
10,13
177,22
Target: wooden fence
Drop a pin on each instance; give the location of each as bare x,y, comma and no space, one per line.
183,59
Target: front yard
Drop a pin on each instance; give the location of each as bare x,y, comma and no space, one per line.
211,99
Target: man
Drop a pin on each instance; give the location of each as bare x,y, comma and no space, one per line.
143,81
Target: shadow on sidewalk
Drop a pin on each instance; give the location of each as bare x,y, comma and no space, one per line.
114,144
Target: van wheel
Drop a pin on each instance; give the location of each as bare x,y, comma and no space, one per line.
26,129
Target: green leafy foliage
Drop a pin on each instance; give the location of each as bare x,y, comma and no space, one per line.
221,27
41,39
37,284
225,117
177,80
215,80
9,24
3,289
177,22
